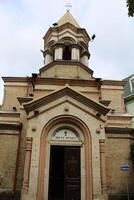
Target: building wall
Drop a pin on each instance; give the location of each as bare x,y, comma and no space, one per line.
116,95
66,71
118,154
11,92
8,161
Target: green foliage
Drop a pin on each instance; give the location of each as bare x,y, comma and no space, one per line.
132,152
130,5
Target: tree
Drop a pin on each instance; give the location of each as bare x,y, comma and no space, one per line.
130,5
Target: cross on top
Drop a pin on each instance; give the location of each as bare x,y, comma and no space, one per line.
68,6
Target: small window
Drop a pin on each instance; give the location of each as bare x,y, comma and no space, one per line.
132,84
67,53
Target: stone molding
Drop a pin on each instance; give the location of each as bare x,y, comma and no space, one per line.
119,130
24,99
69,92
9,126
29,142
88,159
102,165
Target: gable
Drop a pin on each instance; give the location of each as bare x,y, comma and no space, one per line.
73,95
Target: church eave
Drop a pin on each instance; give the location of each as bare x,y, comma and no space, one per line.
14,79
113,82
62,81
66,92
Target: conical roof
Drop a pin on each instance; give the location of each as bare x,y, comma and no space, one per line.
67,17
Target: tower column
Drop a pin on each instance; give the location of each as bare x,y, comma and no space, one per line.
84,58
48,58
75,53
58,52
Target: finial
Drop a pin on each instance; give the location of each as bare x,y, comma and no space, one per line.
68,6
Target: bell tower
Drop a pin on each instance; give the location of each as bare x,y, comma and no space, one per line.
66,43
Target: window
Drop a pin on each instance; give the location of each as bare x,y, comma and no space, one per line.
67,53
132,84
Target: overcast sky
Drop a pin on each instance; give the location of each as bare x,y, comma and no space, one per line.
23,23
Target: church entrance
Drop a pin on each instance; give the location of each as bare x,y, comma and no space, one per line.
64,173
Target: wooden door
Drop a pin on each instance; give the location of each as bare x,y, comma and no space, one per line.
72,174
64,173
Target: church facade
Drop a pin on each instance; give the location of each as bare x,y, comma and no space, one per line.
64,134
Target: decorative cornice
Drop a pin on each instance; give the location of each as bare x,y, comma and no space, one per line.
9,114
27,79
15,79
48,51
11,126
119,130
113,82
24,99
64,62
86,53
71,82
66,92
57,45
63,27
105,102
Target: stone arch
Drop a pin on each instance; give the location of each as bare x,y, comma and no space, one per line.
83,46
88,154
67,40
50,43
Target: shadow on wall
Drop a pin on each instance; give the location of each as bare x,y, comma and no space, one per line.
121,196
10,196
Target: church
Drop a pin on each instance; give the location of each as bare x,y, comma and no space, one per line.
65,134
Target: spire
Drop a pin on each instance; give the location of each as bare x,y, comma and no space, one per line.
67,17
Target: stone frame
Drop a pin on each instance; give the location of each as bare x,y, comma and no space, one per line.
73,121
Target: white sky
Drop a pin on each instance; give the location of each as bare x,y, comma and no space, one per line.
23,23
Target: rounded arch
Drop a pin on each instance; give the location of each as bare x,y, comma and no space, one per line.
83,46
67,40
50,43
88,155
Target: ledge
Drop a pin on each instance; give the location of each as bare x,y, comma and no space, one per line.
9,126
119,130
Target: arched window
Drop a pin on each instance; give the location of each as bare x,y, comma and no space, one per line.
67,53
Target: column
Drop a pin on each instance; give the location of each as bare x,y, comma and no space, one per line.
58,53
84,60
27,163
75,54
102,165
48,59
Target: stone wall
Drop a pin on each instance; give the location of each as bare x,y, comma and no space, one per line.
8,161
10,96
118,154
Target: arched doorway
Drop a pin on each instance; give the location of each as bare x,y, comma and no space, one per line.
65,144
65,163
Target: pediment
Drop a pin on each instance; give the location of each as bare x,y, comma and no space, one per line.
70,95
